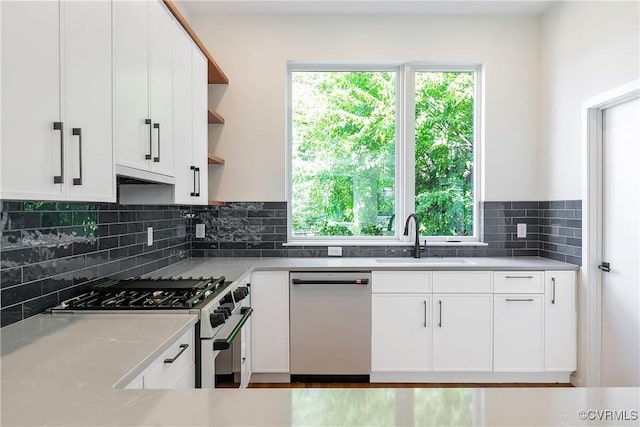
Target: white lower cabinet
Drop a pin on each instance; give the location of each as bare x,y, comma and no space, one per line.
518,333
400,332
480,326
174,368
462,332
270,322
560,319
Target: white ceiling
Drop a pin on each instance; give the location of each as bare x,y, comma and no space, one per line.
372,7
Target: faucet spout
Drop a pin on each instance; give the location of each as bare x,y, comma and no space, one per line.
416,248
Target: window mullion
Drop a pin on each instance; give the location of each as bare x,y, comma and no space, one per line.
408,126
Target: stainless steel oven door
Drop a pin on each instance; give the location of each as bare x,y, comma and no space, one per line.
232,353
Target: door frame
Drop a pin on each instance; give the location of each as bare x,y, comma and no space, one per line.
592,218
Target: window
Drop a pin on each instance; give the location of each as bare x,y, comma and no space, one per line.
370,144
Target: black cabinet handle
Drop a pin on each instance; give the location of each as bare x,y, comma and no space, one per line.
157,126
194,193
58,179
605,266
553,294
148,122
183,347
78,132
330,282
440,319
198,192
425,314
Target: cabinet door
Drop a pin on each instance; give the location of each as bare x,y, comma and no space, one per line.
31,152
87,107
182,120
462,332
132,134
270,321
400,332
517,333
560,321
161,30
199,89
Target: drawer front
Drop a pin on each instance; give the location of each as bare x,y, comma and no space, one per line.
405,282
462,282
168,375
518,282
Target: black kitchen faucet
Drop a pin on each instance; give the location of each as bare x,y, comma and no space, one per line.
416,249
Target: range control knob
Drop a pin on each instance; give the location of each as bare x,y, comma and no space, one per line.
245,290
216,319
238,295
228,298
223,312
228,307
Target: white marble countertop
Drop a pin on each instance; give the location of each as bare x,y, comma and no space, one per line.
59,370
234,268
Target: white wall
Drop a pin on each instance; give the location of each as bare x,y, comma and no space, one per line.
586,49
253,51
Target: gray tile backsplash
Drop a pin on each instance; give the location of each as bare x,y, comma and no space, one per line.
260,229
51,251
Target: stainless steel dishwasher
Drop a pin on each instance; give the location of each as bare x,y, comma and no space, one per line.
330,325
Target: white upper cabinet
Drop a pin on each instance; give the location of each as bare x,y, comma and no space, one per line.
56,101
182,117
143,88
199,88
189,120
161,31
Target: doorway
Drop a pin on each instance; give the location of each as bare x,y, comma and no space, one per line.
613,238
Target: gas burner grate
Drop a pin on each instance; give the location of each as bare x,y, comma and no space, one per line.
148,294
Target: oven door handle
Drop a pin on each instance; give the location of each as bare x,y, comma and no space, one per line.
225,343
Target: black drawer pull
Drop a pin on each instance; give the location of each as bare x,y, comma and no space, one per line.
518,299
518,277
183,347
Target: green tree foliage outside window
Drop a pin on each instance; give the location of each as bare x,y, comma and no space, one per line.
344,153
444,107
343,146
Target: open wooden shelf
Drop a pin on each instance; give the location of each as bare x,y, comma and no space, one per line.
215,160
215,73
215,118
216,203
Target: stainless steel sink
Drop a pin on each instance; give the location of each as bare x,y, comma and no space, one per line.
426,261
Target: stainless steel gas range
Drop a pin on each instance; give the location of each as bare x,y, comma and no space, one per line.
224,310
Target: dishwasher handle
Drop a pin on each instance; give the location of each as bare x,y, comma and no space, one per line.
330,282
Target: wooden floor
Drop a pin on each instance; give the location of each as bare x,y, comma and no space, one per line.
403,385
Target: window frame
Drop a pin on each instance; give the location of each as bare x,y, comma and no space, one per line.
404,149
478,131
